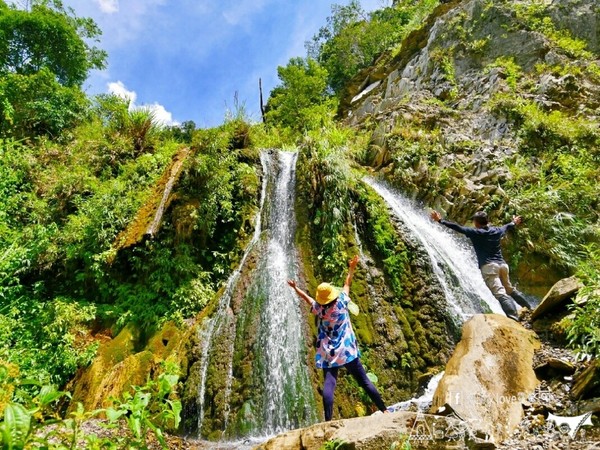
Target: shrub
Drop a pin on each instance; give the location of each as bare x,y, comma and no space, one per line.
324,178
583,332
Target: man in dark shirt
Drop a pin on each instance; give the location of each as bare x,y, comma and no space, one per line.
486,242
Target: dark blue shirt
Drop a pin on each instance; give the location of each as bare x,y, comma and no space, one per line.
486,241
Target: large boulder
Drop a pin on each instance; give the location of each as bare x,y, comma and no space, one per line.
558,294
489,375
381,432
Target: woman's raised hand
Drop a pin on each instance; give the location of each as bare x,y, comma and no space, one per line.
353,262
292,284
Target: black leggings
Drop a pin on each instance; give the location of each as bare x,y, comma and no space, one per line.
357,370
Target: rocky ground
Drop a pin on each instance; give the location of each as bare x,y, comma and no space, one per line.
556,366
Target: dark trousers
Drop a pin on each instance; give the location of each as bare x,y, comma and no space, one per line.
357,370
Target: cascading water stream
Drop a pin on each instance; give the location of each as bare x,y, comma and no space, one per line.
423,401
453,262
283,359
257,317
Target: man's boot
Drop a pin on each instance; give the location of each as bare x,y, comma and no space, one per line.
508,306
522,300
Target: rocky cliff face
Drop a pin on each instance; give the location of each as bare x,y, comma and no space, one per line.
481,96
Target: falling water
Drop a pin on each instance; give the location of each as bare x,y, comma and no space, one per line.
423,401
283,356
281,395
452,260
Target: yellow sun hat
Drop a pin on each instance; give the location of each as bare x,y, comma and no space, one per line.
326,293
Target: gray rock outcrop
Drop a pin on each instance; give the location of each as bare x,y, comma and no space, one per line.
559,293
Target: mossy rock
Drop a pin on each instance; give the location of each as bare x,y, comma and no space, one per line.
133,371
117,366
166,341
89,381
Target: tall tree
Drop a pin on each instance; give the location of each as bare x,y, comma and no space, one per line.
45,57
302,100
48,35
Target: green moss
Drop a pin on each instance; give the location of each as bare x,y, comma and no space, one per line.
383,236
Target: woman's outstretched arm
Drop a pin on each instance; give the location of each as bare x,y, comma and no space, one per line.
351,267
303,295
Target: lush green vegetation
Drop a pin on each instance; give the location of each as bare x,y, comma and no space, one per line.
301,102
583,330
76,181
44,59
77,174
352,39
31,421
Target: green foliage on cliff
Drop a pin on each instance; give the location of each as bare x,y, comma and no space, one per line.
62,207
353,39
384,238
45,56
324,177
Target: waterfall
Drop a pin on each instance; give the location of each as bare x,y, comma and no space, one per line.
452,259
283,361
254,339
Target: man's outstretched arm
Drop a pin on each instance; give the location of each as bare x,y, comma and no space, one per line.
437,217
517,220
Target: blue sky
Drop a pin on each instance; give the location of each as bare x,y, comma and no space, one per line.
188,58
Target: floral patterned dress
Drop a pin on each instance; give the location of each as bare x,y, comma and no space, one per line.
336,342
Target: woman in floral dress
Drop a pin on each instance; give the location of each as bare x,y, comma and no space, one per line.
336,342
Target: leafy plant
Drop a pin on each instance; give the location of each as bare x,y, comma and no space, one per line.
141,127
20,425
302,101
512,71
583,331
147,410
151,408
335,444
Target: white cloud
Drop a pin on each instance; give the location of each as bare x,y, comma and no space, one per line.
118,88
108,6
161,115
